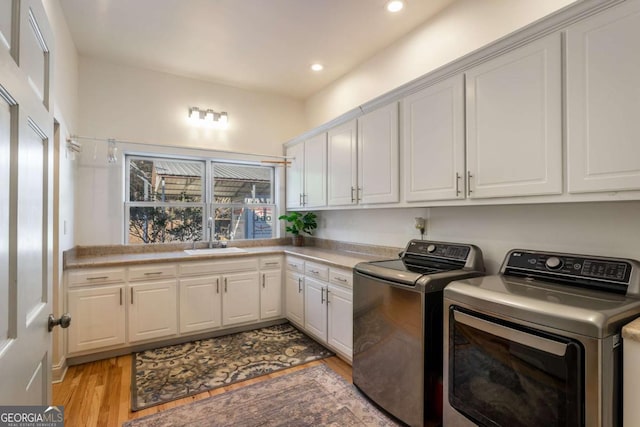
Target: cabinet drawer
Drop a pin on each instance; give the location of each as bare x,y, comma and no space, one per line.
341,277
295,264
95,276
149,272
316,270
217,267
270,263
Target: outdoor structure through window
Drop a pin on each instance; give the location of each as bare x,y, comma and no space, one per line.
171,200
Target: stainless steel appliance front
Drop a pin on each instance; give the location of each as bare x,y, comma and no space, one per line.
538,344
397,331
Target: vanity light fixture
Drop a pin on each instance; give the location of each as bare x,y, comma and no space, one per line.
208,116
394,6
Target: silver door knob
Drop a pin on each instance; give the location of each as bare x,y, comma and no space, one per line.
64,321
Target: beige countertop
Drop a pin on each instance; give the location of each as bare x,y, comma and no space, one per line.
631,331
332,257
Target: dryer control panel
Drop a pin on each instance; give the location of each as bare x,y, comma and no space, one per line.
607,274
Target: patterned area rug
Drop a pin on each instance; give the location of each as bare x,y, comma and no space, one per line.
315,396
177,371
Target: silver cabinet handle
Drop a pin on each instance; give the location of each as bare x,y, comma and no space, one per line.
314,271
359,194
272,263
153,273
225,285
131,296
469,176
217,285
340,279
327,295
299,284
457,184
321,295
263,281
120,296
353,199
98,278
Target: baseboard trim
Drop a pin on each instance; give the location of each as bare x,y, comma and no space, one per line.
59,371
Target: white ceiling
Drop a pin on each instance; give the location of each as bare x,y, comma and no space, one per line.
255,44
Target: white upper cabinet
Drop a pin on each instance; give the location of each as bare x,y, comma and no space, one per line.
514,122
307,174
433,142
295,176
378,170
342,165
603,101
315,172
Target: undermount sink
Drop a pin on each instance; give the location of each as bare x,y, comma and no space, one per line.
213,251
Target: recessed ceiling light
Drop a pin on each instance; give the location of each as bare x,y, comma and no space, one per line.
317,67
395,6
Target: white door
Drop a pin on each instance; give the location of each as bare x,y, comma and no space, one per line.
153,310
200,303
271,294
340,319
433,142
315,172
315,308
342,165
26,215
603,101
378,168
241,298
294,297
295,176
514,122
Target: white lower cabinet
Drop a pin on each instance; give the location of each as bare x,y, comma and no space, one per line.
271,294
340,319
315,308
328,311
153,310
98,317
240,298
200,303
294,297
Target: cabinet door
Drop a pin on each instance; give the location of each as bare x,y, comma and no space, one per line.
315,172
200,303
340,319
153,310
295,176
271,294
294,298
603,101
342,165
315,308
378,176
241,298
98,317
514,128
433,142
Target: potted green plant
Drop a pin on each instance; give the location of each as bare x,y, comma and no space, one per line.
298,223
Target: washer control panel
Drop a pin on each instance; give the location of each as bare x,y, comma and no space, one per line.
567,267
438,249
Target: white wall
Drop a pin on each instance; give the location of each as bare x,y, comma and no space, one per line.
609,229
462,28
139,105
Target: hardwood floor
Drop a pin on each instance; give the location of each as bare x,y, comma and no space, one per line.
99,393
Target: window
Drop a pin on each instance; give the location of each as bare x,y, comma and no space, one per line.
167,200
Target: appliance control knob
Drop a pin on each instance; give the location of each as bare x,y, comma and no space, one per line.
431,248
553,263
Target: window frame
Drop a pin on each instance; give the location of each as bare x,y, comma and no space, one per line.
207,204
